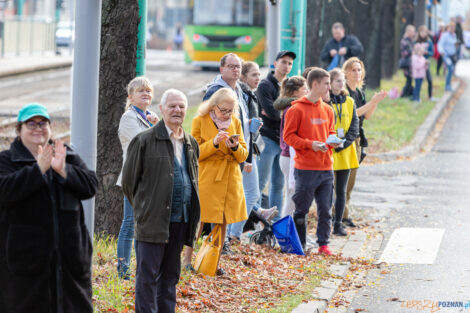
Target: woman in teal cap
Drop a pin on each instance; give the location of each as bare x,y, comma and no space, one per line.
45,249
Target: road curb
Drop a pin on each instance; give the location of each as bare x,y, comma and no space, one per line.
423,132
35,68
353,248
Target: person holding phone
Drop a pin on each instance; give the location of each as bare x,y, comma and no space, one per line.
308,124
222,147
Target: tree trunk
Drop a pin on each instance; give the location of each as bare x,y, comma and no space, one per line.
389,42
119,23
314,35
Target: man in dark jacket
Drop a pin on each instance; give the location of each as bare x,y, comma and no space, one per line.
340,48
268,92
160,179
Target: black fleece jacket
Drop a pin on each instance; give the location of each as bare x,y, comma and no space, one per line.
268,92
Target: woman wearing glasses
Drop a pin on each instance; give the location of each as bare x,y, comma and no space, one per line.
45,249
222,148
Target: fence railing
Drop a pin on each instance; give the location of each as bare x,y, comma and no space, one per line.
26,35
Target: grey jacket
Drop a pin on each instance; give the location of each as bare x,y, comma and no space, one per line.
130,125
147,181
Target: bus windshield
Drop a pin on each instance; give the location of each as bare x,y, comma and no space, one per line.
229,12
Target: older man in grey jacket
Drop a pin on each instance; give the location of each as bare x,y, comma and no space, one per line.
160,179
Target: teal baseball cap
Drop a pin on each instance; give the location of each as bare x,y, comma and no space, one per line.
31,110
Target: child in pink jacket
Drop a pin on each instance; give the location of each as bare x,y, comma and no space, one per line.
418,69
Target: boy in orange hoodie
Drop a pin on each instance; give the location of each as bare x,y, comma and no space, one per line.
308,124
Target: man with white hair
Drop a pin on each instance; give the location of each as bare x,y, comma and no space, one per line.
160,178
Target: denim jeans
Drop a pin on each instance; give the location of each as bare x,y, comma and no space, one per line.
252,195
268,167
417,89
125,238
450,72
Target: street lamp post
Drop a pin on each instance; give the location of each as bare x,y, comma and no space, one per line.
85,85
141,41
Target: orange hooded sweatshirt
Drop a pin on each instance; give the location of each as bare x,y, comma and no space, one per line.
307,122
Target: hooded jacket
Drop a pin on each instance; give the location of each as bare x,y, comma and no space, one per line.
307,122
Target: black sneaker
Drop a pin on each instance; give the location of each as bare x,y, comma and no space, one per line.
348,222
339,231
226,249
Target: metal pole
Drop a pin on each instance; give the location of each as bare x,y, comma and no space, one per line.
141,42
19,10
293,14
273,31
85,78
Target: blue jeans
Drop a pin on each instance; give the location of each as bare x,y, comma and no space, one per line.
450,71
417,89
125,238
268,167
252,195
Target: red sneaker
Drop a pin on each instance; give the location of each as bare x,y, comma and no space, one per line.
325,250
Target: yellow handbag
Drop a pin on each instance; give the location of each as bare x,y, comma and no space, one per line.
207,258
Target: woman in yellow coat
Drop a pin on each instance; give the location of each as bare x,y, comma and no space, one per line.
220,153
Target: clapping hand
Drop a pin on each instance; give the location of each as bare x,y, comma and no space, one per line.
58,160
44,157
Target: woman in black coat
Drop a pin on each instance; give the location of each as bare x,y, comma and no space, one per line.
45,249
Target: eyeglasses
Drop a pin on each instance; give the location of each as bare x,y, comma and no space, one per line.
31,125
224,111
234,66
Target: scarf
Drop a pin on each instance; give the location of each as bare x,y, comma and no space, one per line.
221,125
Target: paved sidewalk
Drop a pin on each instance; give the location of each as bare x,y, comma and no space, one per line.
356,245
10,66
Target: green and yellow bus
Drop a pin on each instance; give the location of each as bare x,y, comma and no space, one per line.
222,26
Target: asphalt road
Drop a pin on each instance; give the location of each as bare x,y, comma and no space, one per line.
165,69
430,192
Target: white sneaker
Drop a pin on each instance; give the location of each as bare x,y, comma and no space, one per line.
268,214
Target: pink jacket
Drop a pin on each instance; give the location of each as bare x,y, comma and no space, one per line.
418,66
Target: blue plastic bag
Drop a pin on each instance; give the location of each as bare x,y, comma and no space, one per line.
287,236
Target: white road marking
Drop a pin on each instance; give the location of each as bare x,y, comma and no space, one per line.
413,246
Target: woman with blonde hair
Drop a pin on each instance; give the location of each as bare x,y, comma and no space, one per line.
344,157
222,147
355,73
135,119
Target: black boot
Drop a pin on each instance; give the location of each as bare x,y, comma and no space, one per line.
339,230
348,222
301,227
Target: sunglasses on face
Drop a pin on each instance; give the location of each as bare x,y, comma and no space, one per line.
31,125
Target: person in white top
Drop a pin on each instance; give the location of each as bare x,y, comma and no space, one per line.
135,119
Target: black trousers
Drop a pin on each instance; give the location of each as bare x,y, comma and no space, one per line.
316,185
341,184
408,88
158,272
